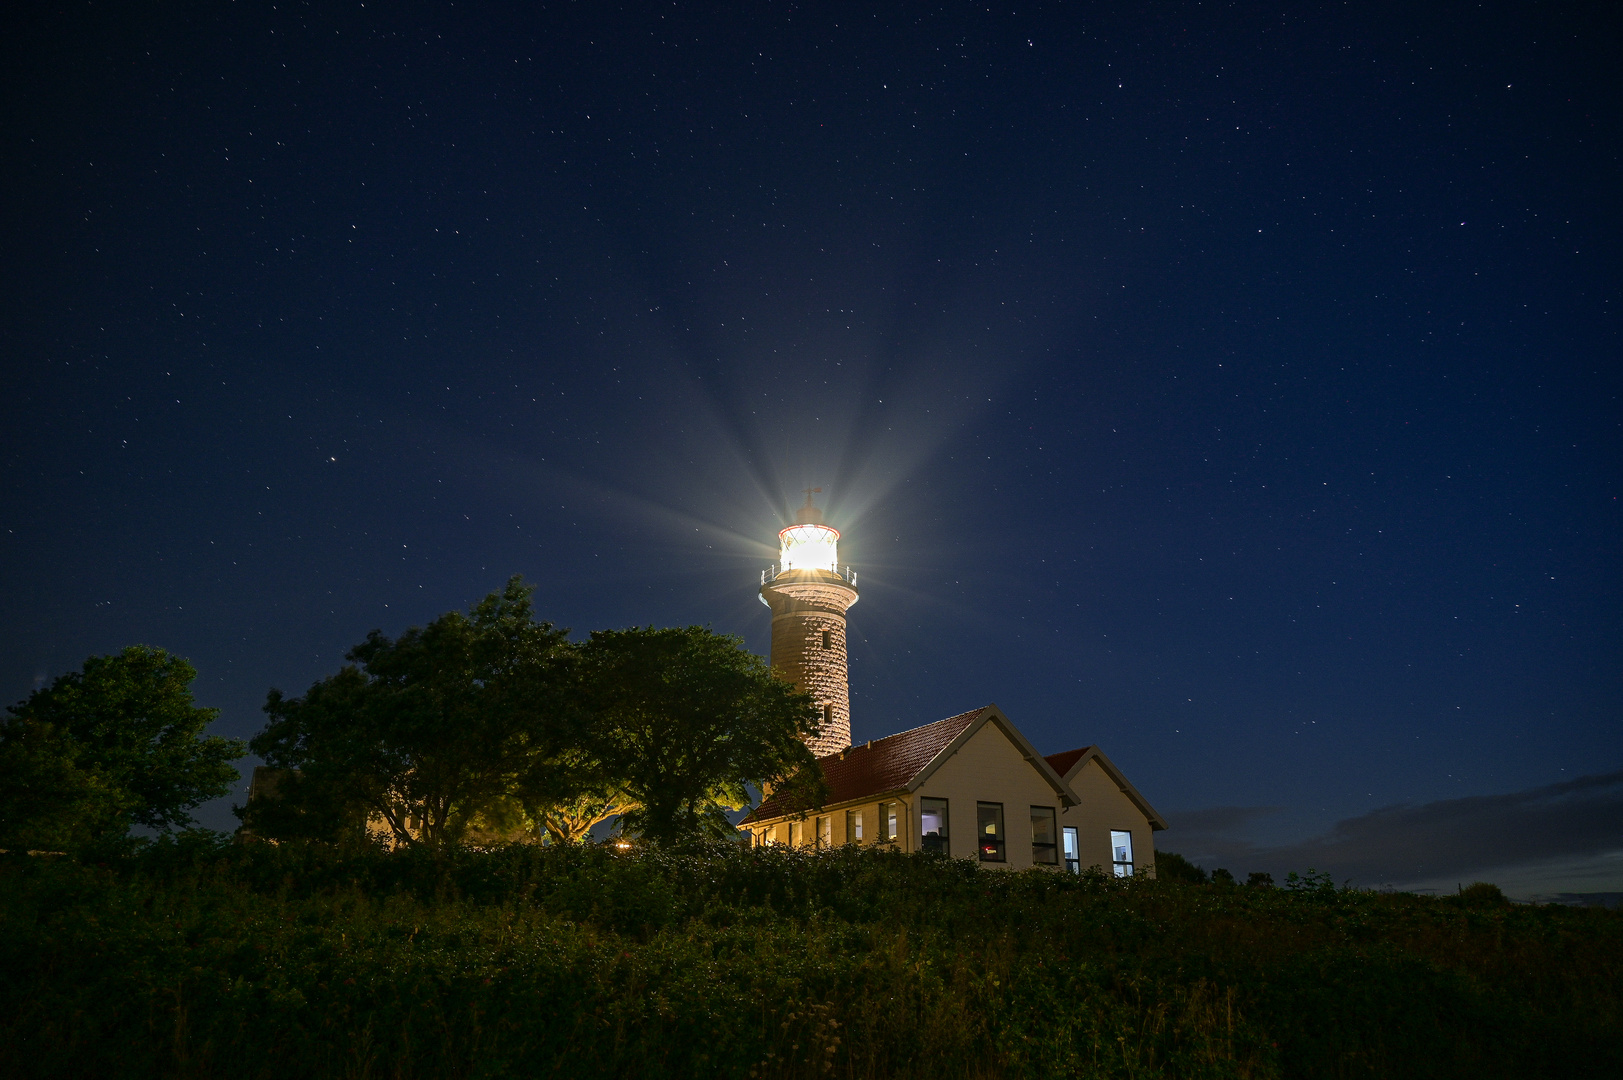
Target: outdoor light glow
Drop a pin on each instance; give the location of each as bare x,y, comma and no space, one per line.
808,547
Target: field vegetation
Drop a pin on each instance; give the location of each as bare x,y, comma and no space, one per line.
197,957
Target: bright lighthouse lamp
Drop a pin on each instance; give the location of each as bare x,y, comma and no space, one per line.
808,547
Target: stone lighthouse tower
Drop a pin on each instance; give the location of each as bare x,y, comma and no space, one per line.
809,593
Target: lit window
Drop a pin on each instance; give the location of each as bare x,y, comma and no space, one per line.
989,830
825,832
933,823
853,826
1121,852
1073,851
889,814
1044,850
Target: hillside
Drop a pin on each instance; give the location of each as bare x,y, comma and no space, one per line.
249,961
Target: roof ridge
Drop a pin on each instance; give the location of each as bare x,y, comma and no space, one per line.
909,731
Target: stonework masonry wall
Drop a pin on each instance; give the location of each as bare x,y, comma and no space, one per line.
798,652
803,610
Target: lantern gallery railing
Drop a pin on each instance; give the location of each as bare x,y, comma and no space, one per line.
772,572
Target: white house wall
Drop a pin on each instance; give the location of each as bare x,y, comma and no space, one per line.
1102,807
989,768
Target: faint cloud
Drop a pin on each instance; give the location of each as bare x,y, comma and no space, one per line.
1546,840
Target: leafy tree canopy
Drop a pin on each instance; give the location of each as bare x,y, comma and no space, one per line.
1170,866
687,719
424,733
494,724
116,745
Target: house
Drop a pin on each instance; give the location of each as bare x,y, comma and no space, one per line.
972,786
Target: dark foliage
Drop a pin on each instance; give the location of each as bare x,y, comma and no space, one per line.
1480,894
1170,866
492,723
687,719
292,961
422,733
116,745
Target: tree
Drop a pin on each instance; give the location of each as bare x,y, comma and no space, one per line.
1170,866
117,745
426,734
686,719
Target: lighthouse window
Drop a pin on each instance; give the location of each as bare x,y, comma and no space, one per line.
989,830
828,639
933,824
828,715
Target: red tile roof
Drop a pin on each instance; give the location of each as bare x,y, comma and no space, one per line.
880,766
1063,761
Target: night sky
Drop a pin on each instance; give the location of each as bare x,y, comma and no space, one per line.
1236,390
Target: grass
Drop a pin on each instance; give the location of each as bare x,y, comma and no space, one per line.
206,960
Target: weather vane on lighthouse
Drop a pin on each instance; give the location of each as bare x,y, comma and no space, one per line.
809,593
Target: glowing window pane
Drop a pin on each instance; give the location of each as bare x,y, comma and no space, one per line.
1121,852
808,547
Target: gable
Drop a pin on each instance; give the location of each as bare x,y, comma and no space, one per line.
992,734
1088,768
991,765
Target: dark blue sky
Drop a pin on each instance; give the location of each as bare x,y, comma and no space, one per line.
1236,390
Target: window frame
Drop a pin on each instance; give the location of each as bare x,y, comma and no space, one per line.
889,821
823,833
1073,860
943,838
853,816
1116,864
1053,830
998,850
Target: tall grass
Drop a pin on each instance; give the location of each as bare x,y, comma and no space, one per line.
291,961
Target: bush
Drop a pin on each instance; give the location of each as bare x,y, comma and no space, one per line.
296,960
1481,894
1170,866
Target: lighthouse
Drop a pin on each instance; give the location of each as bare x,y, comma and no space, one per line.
809,592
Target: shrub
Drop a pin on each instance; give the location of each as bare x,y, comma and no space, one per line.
1170,866
284,961
1481,894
